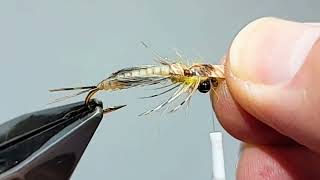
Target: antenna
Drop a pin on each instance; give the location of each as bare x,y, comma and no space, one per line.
153,51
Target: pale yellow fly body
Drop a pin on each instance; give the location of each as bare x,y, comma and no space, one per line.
185,78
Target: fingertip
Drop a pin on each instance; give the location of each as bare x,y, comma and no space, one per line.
270,73
270,50
278,162
239,123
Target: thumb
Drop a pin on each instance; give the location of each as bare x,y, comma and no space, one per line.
272,71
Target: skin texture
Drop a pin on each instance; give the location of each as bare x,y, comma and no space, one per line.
271,99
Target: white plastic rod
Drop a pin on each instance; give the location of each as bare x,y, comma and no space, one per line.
217,156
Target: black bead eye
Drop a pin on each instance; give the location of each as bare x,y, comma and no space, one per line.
204,86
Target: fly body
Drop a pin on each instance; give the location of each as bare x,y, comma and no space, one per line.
182,78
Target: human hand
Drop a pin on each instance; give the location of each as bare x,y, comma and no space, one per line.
271,99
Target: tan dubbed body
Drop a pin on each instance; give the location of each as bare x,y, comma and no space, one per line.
186,78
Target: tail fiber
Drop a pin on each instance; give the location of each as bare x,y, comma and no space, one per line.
73,88
91,90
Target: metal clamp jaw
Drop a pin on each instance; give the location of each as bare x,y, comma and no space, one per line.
48,144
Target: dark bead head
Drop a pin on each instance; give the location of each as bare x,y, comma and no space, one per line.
204,86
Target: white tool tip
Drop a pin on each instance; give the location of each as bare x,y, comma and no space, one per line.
217,156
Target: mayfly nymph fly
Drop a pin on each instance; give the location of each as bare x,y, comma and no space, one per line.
186,79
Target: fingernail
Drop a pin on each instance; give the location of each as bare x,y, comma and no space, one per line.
271,51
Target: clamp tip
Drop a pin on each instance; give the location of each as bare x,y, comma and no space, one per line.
112,108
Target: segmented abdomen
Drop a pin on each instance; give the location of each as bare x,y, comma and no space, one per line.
136,76
144,71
